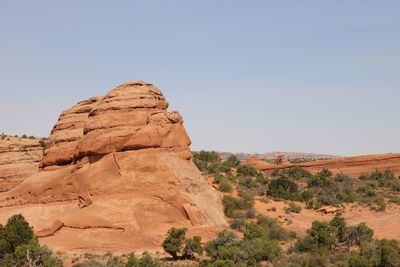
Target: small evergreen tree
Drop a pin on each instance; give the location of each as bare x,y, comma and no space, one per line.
173,243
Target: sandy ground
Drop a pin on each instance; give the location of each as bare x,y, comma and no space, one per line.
384,224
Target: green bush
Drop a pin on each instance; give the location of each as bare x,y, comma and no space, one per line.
15,233
192,247
381,252
231,204
319,238
225,186
19,246
245,170
272,227
148,261
233,161
284,188
174,241
293,208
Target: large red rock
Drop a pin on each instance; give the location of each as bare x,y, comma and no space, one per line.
130,117
66,133
118,174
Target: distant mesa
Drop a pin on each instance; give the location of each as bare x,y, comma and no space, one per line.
352,166
116,175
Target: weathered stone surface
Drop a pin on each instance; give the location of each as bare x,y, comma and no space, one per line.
117,177
66,133
130,117
19,158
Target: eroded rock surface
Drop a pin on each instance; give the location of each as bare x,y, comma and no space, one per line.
19,158
66,133
117,175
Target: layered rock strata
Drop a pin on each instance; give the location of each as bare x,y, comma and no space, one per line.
117,174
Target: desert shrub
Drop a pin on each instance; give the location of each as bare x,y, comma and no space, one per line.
3,136
284,188
207,161
174,241
381,252
148,261
249,183
358,261
19,246
274,229
30,252
251,213
254,230
293,208
261,249
368,190
192,247
31,137
360,233
207,156
246,200
238,223
330,190
306,196
245,170
249,251
296,173
24,136
42,143
304,260
231,204
15,233
225,185
380,204
227,246
132,261
319,237
233,161
394,199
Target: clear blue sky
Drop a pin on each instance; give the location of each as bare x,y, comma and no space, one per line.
251,76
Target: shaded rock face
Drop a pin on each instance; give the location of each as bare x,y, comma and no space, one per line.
117,175
19,158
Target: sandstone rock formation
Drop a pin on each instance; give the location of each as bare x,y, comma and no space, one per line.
117,175
353,166
66,133
19,158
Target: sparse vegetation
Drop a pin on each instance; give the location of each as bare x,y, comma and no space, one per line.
293,208
179,247
19,246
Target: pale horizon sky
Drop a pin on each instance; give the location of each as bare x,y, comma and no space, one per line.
247,76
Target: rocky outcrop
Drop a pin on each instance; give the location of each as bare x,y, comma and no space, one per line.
353,166
117,175
133,116
19,158
66,133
